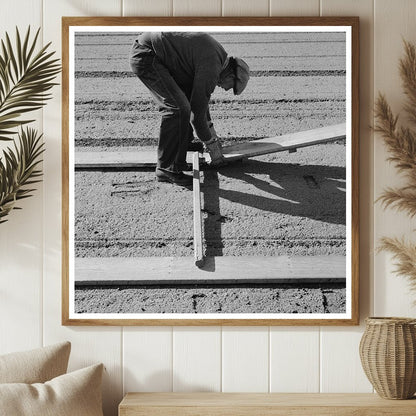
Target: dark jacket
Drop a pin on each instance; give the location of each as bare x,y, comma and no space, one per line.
195,61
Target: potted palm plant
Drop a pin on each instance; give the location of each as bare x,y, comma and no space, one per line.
26,78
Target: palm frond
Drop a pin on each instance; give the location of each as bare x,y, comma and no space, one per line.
25,79
19,168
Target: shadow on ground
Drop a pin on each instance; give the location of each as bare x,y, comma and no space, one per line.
310,191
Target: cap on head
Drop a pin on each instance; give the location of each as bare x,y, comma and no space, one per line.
242,75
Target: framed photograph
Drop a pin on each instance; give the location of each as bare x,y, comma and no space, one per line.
210,171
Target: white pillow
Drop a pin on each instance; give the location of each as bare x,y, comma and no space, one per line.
35,366
73,394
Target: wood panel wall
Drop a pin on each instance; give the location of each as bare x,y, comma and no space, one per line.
260,359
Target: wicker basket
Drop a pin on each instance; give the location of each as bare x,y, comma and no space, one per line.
388,356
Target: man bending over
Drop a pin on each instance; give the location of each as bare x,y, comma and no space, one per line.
181,70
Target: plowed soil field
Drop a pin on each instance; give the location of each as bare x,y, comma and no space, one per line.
277,204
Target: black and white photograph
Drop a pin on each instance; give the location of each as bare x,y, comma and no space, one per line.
210,174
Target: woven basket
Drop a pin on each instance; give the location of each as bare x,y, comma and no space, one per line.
388,356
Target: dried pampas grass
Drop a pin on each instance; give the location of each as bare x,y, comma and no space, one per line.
401,143
405,254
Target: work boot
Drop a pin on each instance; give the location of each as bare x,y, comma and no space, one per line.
183,166
215,152
177,178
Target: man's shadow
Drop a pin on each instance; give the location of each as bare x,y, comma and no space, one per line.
312,191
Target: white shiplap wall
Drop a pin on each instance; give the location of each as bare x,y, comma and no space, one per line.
21,240
303,359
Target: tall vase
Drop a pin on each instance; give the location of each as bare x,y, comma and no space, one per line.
388,356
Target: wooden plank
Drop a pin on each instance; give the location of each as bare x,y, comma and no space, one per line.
294,360
224,270
342,371
258,404
147,359
147,8
198,245
196,8
285,142
196,359
294,8
245,359
146,158
110,160
245,8
138,159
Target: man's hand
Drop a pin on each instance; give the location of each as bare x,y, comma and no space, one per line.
215,152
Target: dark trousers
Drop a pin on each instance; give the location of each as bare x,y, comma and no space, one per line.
175,129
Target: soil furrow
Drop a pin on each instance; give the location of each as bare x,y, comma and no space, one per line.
255,73
277,204
217,299
142,104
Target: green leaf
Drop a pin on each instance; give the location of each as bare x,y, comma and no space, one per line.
32,48
24,48
19,49
18,171
10,124
25,78
12,57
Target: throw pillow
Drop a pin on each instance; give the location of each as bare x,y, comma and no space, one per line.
35,366
73,394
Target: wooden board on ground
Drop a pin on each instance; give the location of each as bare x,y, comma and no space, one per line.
215,270
198,246
115,160
285,142
140,159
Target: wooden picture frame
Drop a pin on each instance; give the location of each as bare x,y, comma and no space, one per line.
322,269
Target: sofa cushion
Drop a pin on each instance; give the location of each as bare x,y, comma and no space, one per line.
35,366
73,394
